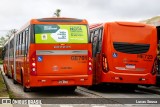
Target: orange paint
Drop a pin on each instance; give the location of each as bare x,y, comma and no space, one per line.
127,53
51,64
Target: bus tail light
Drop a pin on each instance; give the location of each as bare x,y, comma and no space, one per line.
33,64
104,63
154,68
89,64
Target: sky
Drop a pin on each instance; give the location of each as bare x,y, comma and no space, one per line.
15,13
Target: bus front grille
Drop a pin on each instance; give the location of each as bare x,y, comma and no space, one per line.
131,48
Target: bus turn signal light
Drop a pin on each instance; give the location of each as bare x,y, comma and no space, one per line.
89,64
104,63
33,64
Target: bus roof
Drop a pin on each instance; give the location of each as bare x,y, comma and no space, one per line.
58,20
133,24
54,20
92,26
136,24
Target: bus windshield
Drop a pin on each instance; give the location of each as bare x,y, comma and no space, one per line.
61,33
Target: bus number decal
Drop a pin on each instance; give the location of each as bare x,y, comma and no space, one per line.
79,58
145,57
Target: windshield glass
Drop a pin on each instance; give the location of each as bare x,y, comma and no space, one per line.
61,34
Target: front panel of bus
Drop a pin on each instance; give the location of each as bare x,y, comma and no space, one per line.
131,52
60,55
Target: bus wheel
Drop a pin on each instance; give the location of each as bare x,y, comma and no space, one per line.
14,81
25,89
130,87
71,88
92,87
5,73
21,78
8,76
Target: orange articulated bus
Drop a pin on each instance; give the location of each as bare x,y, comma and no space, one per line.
53,52
124,52
8,58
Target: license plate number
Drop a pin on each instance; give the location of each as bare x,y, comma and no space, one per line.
130,66
63,82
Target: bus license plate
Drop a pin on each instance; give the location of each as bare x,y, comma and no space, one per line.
130,66
63,82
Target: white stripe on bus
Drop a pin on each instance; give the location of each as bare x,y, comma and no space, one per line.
61,52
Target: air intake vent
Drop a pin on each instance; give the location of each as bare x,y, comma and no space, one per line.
131,48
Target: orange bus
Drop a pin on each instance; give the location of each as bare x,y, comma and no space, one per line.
8,58
5,60
53,52
124,53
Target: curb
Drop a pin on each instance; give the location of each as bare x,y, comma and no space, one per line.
151,89
8,96
4,81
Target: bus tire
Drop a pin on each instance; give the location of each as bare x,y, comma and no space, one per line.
14,81
25,89
92,87
71,88
133,87
8,76
5,72
130,87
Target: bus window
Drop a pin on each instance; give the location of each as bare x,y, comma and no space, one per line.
23,42
26,41
99,41
20,42
96,42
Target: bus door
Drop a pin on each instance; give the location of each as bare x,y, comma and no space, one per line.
97,57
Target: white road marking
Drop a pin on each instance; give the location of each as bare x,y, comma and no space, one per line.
34,105
66,106
98,106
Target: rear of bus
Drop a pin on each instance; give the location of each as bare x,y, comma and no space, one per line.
130,51
60,53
